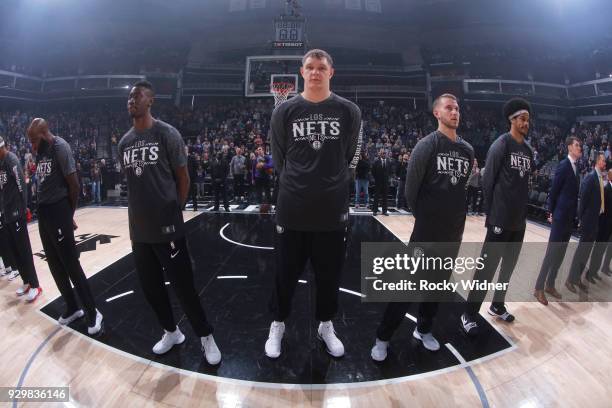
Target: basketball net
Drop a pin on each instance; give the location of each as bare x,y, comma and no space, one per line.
281,91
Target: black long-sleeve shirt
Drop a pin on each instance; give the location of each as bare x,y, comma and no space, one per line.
436,176
505,183
13,192
312,146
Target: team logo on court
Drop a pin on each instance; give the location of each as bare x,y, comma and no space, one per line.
84,242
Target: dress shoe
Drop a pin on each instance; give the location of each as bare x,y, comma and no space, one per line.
539,294
553,292
590,280
570,286
583,287
596,276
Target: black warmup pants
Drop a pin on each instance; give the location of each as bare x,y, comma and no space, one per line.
395,312
19,246
173,257
326,251
57,236
496,252
7,256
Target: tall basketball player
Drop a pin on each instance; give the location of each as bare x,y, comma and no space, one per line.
314,137
436,179
13,205
505,187
58,192
154,160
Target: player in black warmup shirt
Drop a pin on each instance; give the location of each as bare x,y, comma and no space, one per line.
314,137
153,157
58,192
13,205
436,177
505,186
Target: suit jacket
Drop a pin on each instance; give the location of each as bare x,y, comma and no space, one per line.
563,194
607,215
381,175
589,206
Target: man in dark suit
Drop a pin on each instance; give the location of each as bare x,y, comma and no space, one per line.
603,234
562,206
590,208
608,193
381,171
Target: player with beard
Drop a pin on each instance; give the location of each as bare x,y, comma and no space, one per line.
58,192
314,137
505,186
435,189
155,162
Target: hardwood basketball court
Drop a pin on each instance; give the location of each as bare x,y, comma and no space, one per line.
558,355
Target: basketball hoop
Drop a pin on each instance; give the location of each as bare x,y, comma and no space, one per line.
281,91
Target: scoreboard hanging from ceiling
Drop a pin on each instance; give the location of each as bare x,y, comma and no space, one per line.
288,32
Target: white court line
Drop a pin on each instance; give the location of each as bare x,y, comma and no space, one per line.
251,384
167,283
411,317
238,243
302,281
352,293
232,277
110,299
456,353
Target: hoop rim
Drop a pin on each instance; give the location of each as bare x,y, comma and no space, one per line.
282,88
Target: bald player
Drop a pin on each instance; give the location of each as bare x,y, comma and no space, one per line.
58,191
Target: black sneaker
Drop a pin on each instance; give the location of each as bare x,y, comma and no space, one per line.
501,313
469,325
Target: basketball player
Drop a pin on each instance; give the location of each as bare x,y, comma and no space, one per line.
436,179
13,204
58,192
505,186
153,157
314,137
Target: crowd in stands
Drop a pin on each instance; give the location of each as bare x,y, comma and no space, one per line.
213,132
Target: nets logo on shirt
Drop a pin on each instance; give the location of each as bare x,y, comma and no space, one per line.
453,165
316,129
520,162
43,169
140,155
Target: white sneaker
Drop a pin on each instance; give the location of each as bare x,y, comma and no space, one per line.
95,329
379,351
429,341
69,319
22,290
332,342
273,344
13,274
210,349
168,340
33,294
